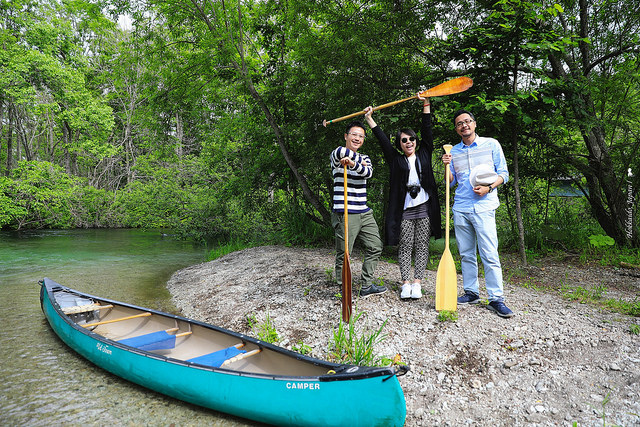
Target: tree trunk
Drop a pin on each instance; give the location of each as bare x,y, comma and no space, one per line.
516,173
516,193
7,172
243,72
179,136
1,126
66,143
606,195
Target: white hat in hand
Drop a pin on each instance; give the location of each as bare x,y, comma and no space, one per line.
482,175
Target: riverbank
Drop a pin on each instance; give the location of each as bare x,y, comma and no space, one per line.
554,363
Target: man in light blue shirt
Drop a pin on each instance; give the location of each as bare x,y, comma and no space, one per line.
478,167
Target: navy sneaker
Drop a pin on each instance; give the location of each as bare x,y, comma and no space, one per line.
372,290
500,309
468,298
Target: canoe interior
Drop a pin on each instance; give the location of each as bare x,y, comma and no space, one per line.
116,322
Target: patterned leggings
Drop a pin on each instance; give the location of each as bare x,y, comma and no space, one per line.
414,233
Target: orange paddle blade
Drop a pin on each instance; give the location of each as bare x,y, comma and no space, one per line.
450,87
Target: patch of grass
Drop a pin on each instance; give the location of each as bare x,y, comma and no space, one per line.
447,316
624,307
596,297
227,248
265,331
391,259
328,272
634,329
578,293
301,348
356,345
603,413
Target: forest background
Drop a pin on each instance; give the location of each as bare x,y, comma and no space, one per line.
203,117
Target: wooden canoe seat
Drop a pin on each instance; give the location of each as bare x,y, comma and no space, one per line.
161,340
84,308
220,357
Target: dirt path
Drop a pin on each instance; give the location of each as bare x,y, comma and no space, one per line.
555,363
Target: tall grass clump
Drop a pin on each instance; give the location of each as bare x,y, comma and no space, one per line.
356,346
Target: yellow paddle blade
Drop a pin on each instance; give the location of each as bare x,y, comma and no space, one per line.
446,283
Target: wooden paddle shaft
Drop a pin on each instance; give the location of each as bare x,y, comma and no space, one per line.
88,325
447,150
346,263
450,87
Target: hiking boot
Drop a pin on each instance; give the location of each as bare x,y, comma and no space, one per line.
372,290
500,309
468,298
416,291
406,291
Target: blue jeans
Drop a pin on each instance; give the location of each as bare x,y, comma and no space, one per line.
479,230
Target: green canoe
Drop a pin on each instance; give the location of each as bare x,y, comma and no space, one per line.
220,369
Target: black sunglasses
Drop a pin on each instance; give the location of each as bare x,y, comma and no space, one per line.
411,138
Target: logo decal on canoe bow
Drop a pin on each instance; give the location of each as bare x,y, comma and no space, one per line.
103,348
303,386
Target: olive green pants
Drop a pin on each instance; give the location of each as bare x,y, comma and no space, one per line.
362,227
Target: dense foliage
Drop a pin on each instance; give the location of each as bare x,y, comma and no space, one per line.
204,117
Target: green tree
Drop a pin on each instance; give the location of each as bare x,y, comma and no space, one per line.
52,111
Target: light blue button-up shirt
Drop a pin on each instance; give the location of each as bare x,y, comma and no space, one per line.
463,159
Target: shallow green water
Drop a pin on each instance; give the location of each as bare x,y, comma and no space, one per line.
42,381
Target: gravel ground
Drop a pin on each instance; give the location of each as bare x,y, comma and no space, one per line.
556,362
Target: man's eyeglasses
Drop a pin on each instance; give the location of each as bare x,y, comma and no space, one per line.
411,138
358,135
463,122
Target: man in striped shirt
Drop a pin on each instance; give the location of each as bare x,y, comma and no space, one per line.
362,224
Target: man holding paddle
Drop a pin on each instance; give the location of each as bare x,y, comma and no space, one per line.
478,167
361,223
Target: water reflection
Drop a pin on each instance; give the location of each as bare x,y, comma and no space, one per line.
43,382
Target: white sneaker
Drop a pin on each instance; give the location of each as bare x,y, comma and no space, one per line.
406,291
416,291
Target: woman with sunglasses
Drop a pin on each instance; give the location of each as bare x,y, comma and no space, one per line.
413,213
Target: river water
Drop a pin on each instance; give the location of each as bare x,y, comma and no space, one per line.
42,381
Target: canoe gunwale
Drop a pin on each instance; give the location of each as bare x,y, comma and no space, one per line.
341,372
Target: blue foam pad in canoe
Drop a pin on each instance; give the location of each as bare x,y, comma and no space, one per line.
154,341
217,358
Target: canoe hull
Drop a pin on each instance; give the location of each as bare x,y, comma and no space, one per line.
276,399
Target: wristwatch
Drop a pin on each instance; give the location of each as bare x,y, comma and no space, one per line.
491,188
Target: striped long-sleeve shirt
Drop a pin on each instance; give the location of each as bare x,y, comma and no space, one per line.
356,180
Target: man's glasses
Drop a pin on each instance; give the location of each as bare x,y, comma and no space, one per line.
463,122
405,140
357,135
